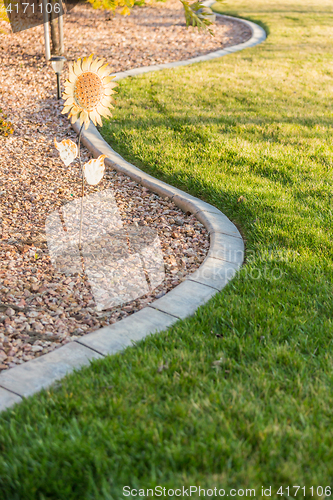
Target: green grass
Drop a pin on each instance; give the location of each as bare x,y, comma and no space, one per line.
255,124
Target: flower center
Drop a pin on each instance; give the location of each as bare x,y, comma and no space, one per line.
88,90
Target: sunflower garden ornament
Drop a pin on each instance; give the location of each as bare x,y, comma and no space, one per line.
88,91
88,96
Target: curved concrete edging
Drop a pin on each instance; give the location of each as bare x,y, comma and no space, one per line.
224,258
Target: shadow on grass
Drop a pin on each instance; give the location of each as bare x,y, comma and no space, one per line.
178,124
243,215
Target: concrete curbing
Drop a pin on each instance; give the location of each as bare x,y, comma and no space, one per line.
225,257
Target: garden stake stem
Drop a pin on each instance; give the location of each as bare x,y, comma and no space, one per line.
82,193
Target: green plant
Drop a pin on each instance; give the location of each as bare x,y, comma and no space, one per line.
198,16
195,14
123,6
3,15
6,127
141,3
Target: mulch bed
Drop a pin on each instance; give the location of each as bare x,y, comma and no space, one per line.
42,305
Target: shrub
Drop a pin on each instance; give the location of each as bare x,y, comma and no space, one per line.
3,15
122,6
6,127
195,14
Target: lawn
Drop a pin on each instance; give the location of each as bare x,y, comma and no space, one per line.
250,133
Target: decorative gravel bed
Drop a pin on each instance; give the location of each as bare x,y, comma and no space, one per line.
151,35
40,307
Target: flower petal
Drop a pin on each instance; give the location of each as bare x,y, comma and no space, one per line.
74,118
86,122
75,111
103,111
83,116
96,64
71,74
96,117
109,91
77,67
108,79
99,120
93,115
69,86
104,71
70,101
86,63
106,101
66,109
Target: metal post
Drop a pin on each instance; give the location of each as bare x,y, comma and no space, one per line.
58,86
61,30
46,32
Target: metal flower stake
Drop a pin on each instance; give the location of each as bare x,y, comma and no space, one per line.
88,96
